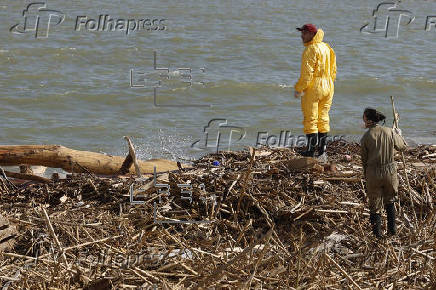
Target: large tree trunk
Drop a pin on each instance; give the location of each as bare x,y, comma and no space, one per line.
70,160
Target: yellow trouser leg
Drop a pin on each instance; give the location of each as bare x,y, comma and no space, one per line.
309,106
323,113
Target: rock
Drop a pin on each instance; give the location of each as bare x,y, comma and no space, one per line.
347,158
301,163
331,167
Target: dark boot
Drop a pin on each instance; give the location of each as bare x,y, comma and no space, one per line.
322,146
375,219
390,211
312,141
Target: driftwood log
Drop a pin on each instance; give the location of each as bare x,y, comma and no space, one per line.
70,160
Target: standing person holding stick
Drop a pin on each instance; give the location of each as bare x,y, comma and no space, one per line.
379,168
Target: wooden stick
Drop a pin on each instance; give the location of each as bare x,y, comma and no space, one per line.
8,182
218,272
434,261
91,243
331,211
260,258
55,237
132,155
342,270
244,180
40,258
395,125
345,179
424,254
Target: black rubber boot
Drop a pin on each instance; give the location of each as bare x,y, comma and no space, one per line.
375,219
312,141
390,211
322,146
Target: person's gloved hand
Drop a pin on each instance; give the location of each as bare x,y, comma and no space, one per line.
297,94
398,131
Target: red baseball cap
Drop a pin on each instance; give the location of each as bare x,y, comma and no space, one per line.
308,27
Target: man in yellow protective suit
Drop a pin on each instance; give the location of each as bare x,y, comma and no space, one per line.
316,88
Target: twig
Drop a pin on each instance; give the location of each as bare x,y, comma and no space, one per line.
132,153
218,272
3,176
342,270
52,232
262,253
395,125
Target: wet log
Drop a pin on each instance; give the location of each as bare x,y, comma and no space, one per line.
70,160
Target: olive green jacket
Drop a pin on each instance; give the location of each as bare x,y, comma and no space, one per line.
377,149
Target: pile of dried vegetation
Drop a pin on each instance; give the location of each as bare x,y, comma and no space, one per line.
260,218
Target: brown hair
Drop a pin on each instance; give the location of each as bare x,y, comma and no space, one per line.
373,115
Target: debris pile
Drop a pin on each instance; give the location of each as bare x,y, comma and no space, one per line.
260,218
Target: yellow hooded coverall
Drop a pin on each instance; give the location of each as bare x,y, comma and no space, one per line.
318,73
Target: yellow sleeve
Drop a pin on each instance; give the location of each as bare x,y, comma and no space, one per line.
333,64
307,68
